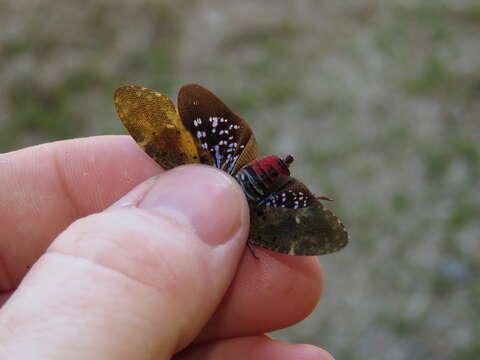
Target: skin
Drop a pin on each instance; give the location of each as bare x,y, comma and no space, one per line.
104,255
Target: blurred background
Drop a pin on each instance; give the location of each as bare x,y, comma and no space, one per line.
377,101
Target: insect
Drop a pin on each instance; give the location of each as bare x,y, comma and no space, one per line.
284,215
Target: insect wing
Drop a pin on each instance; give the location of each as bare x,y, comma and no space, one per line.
291,220
313,230
153,121
225,135
290,193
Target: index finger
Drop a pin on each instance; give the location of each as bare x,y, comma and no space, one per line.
44,188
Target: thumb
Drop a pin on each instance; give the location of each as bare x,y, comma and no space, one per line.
138,280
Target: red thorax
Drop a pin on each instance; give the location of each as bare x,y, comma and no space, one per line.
264,176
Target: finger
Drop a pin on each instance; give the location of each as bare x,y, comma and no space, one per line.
254,348
136,281
284,289
46,187
268,294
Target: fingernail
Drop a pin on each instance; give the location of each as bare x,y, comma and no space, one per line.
201,197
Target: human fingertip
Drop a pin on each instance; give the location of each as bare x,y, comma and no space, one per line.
311,352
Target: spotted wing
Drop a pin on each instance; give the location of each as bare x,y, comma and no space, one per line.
225,135
292,221
153,121
290,193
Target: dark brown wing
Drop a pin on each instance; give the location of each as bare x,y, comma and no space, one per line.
312,230
288,192
153,121
218,130
292,221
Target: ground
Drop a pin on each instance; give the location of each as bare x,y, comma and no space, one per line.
377,101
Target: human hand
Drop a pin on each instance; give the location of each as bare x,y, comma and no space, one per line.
160,272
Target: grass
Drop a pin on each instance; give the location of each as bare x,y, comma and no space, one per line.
378,103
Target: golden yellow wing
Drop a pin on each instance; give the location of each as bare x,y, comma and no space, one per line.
153,121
